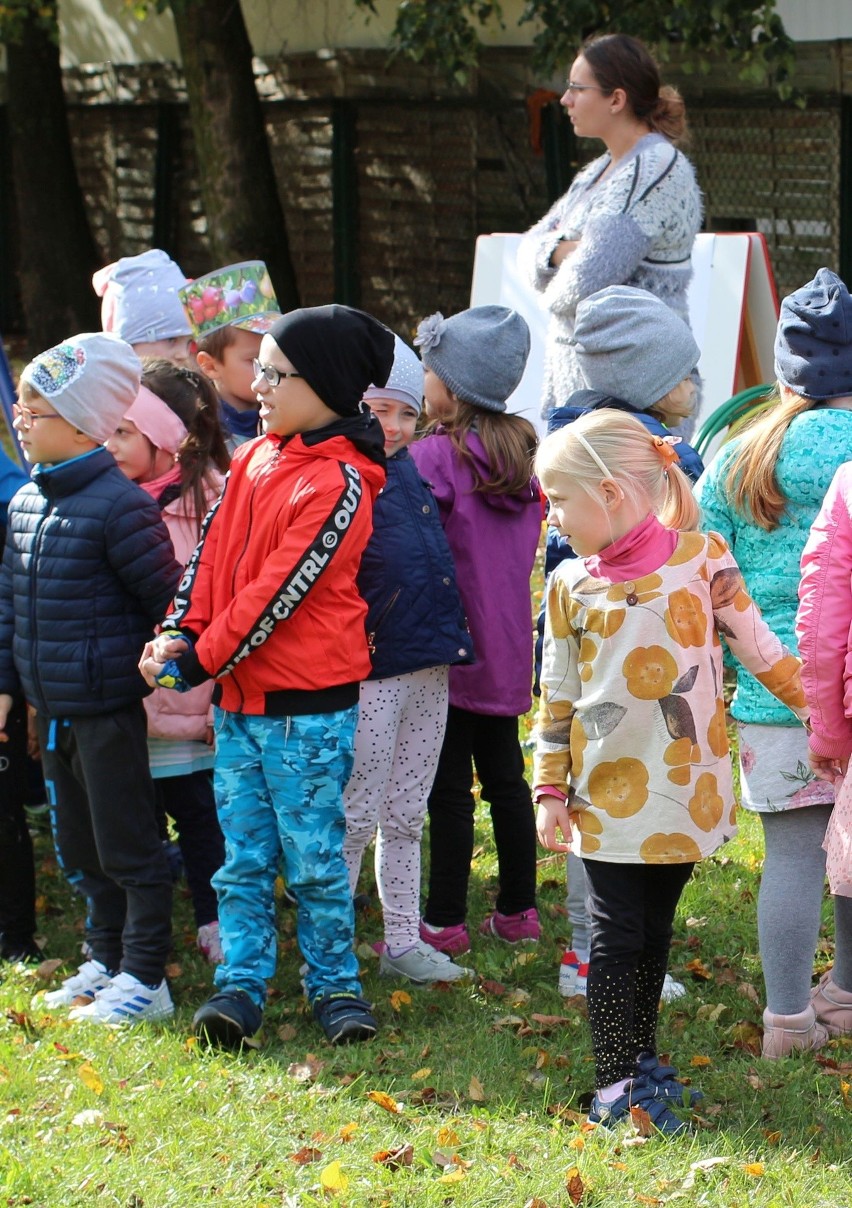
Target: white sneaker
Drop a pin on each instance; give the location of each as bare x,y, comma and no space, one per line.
127,1000
84,984
572,974
672,989
422,965
210,943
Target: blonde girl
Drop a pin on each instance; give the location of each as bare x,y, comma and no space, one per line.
477,459
632,763
762,492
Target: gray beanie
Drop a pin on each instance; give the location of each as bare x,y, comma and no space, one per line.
813,344
632,346
480,354
405,383
90,380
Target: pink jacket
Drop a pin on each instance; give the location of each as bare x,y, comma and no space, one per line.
824,621
183,716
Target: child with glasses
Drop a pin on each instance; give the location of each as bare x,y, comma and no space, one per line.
270,610
632,761
88,571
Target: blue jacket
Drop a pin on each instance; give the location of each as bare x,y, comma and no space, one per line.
88,571
407,578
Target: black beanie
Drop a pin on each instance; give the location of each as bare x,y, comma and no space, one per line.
339,352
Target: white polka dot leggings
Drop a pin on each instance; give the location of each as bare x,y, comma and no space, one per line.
632,908
400,731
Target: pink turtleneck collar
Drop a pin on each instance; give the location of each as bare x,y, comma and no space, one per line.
643,550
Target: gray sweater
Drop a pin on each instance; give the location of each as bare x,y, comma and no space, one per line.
636,228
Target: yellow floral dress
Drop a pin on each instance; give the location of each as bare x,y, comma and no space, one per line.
631,725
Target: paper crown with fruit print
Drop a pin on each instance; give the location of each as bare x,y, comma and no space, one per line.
239,295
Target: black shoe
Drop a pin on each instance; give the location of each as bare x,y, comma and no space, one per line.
20,951
344,1018
227,1019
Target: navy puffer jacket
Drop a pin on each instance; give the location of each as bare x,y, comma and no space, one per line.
407,578
88,571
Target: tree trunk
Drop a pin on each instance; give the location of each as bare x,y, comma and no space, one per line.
245,219
57,253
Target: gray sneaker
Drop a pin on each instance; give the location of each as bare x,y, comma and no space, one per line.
422,965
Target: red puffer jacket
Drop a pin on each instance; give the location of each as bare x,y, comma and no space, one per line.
269,595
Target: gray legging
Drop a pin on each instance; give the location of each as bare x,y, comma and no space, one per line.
789,908
578,914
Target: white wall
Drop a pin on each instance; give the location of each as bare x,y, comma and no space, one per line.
816,20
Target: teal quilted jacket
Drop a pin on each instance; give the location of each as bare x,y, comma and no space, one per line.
815,444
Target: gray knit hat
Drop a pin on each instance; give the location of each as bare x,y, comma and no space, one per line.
479,354
405,383
90,380
813,344
632,346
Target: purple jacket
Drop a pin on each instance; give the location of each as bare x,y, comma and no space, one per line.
493,539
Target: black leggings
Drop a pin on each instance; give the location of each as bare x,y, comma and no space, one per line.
632,909
17,874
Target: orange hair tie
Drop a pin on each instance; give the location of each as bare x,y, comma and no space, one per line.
665,446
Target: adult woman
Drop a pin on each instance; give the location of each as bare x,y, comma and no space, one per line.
630,216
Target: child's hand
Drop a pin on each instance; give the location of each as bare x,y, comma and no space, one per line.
553,813
825,768
149,666
5,709
33,748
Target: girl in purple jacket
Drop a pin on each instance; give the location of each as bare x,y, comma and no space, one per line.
477,459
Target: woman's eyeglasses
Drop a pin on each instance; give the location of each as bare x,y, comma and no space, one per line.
27,418
570,87
272,375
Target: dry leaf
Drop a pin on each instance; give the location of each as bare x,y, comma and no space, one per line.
700,1062
492,987
535,1202
749,992
400,999
46,969
385,1101
701,1168
755,1169
173,971
475,1091
647,1199
698,970
576,1143
87,1117
772,1137
286,1032
641,1122
574,1185
348,1131
514,1162
305,1155
307,1070
448,1136
452,1176
442,1160
333,1180
844,1092
419,1075
550,1021
91,1078
395,1159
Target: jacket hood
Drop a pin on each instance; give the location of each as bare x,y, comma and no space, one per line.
64,477
500,503
582,401
363,430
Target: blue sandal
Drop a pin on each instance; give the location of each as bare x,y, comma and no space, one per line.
663,1080
638,1093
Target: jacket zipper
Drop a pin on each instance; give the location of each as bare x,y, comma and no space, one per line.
371,637
33,576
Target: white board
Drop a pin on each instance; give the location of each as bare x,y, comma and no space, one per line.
731,287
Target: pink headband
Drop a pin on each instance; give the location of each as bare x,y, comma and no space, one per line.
157,421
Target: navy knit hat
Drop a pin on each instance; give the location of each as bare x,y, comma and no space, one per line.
339,352
813,344
480,354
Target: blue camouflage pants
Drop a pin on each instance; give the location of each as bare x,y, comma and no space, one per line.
279,793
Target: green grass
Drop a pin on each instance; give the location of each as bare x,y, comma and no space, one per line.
145,1118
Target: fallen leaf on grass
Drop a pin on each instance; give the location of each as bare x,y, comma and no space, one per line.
647,1199
702,1167
452,1176
772,1137
173,971
476,1091
535,1202
448,1136
306,1155
90,1077
513,1162
419,1075
748,991
348,1131
89,1116
333,1180
711,1012
492,987
641,1122
385,1101
844,1093
517,996
536,1078
698,970
550,1021
755,1169
305,1071
574,1185
46,969
400,999
577,1143
700,1061
395,1159
286,1032
747,1036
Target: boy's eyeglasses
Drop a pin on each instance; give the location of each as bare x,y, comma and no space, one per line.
272,375
27,418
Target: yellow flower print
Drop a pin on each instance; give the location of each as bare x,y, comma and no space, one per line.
717,732
605,622
650,672
620,788
669,849
578,742
589,827
685,619
732,817
783,681
560,611
679,754
588,649
717,546
706,805
649,584
689,546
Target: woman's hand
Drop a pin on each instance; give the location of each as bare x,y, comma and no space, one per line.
553,814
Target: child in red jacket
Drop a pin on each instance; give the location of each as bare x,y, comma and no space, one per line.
270,609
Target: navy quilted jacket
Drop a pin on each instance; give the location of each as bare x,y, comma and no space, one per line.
407,578
88,571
